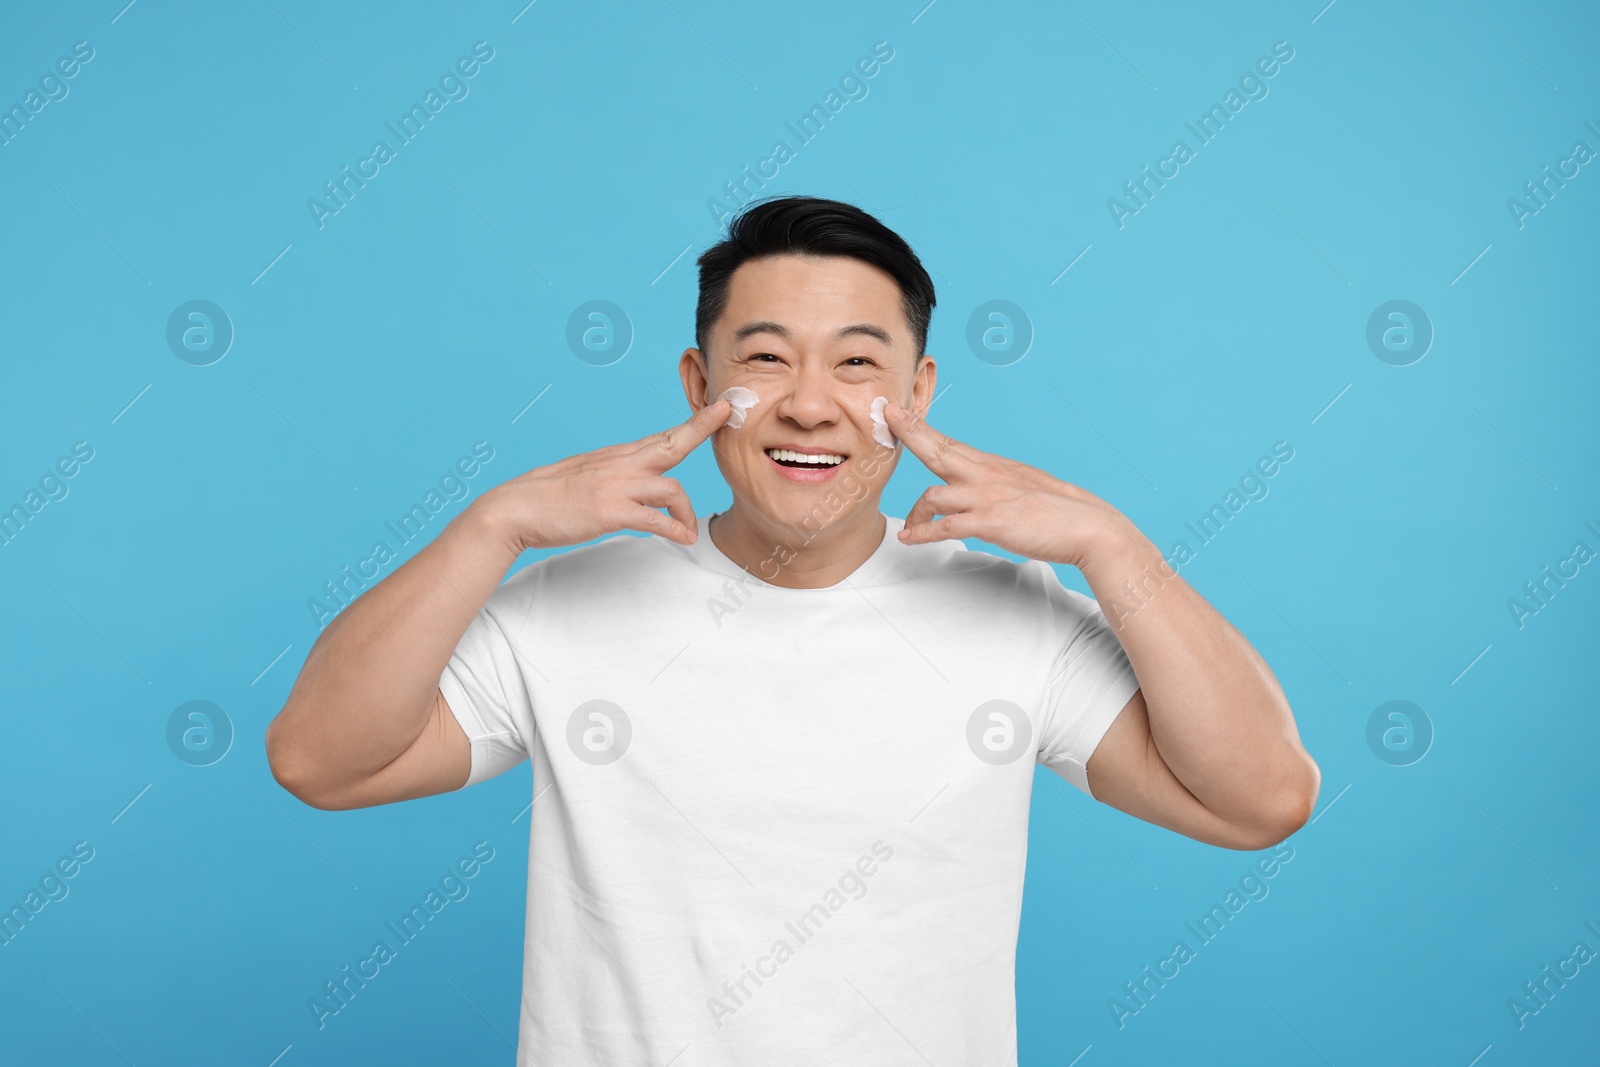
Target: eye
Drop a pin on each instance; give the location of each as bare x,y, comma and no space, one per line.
760,355
863,360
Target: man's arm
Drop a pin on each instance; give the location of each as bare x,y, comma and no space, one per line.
365,722
1208,744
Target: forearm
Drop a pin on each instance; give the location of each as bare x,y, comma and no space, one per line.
367,687
1217,715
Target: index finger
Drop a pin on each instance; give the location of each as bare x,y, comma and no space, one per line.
666,449
939,452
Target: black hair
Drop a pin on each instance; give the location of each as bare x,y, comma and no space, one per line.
809,225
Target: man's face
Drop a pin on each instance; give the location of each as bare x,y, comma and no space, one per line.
816,338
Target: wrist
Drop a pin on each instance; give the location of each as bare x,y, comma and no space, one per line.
1120,547
485,523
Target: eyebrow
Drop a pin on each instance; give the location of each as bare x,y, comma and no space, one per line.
858,329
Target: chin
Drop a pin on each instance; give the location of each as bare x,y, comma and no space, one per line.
815,509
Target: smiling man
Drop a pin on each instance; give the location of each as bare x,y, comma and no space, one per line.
783,758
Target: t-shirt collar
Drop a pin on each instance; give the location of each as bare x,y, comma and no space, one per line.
705,552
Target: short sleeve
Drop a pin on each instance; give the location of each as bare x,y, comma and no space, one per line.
484,683
1091,681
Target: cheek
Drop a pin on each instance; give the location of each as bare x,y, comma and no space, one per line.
738,448
876,469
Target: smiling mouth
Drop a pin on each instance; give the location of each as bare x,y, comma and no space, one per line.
804,461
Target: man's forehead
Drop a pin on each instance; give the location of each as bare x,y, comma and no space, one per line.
823,297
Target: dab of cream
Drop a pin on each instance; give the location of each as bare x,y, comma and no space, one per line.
742,400
880,425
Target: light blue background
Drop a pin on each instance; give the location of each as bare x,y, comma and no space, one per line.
1227,315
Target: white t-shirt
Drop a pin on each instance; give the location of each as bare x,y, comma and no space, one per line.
771,825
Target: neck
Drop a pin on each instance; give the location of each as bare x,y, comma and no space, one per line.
816,559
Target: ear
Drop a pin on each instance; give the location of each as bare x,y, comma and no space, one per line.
923,385
696,386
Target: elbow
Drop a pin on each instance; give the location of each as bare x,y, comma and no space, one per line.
279,762
288,770
1303,794
1293,804
1290,807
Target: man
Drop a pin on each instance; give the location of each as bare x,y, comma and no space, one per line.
782,759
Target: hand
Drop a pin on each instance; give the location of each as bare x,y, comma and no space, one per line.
593,494
1020,508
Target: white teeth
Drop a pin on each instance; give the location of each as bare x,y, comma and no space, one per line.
827,459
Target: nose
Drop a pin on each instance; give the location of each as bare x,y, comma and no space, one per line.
810,401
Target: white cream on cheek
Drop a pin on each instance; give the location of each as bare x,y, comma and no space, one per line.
742,400
880,425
